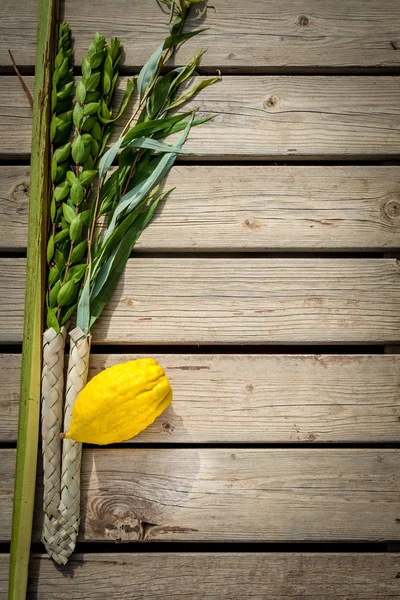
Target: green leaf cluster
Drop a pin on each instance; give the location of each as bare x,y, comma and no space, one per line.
129,196
62,88
74,166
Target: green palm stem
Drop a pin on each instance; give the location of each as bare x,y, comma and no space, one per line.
29,407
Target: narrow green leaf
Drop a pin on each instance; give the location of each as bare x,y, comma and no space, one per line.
115,265
83,312
174,40
193,91
136,194
180,126
159,96
148,73
150,127
50,249
108,158
150,144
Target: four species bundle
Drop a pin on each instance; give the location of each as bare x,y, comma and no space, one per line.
97,214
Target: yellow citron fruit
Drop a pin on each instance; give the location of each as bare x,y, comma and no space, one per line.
120,402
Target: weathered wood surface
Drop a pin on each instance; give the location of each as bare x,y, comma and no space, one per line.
207,576
251,208
235,301
264,117
230,494
250,36
255,398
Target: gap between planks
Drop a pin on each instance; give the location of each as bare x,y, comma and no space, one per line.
255,36
226,576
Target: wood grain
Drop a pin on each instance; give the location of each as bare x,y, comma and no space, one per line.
264,118
251,208
236,301
257,398
256,36
211,575
192,494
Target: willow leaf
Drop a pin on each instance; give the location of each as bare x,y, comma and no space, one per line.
185,72
124,103
148,72
108,158
150,127
117,261
83,312
173,40
132,198
101,271
160,95
150,144
193,91
180,126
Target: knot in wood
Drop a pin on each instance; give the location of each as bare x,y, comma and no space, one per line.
271,102
391,207
21,191
303,21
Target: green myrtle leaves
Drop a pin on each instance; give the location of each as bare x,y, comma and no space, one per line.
62,153
78,149
130,195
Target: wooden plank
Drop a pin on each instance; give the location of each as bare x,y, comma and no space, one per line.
7,470
257,398
236,301
265,118
258,36
251,208
226,576
14,199
193,494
